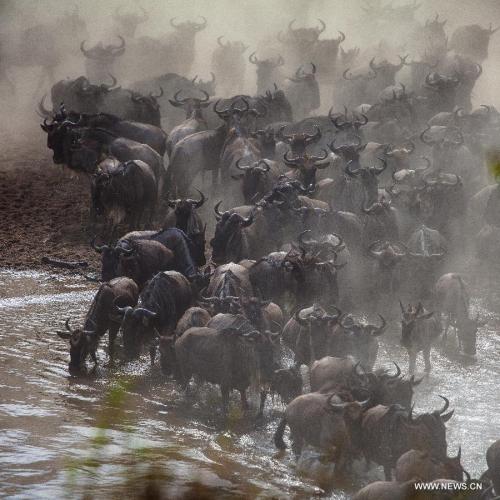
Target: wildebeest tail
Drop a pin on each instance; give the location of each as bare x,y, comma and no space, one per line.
278,435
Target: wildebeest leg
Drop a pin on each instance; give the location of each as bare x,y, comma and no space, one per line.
225,399
388,472
263,395
427,359
93,355
244,401
112,333
296,445
152,354
413,360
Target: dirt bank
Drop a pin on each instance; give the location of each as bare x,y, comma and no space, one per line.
43,208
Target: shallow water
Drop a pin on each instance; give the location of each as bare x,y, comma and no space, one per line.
105,432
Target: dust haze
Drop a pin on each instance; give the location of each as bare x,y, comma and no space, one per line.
256,23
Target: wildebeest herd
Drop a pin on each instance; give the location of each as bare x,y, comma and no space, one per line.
316,222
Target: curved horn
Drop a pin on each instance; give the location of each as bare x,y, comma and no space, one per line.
292,162
341,38
66,323
172,22
98,249
199,203
253,59
242,167
157,96
446,405
424,140
85,52
41,108
218,214
378,330
323,27
349,171
398,371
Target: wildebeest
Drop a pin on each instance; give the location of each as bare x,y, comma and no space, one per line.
323,421
194,122
302,90
143,133
267,72
172,238
232,357
361,341
124,193
309,341
80,96
493,462
419,330
142,259
194,316
472,41
127,22
100,59
258,178
388,432
183,216
100,318
161,304
42,45
452,299
421,465
228,65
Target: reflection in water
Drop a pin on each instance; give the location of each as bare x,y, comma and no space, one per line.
64,435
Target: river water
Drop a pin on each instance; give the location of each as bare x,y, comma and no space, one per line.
108,433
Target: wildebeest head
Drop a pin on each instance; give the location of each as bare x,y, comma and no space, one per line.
184,209
411,317
349,151
253,309
400,154
104,53
129,21
265,67
363,337
393,389
190,104
254,171
287,382
138,324
388,254
472,40
110,258
429,429
367,176
347,57
83,147
235,47
302,38
307,165
208,86
318,323
323,247
227,243
235,115
82,343
57,134
188,28
386,71
147,106
298,141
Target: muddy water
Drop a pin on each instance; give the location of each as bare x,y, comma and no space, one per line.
103,433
